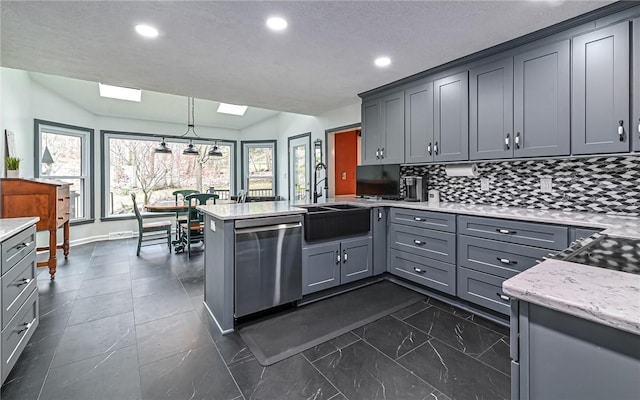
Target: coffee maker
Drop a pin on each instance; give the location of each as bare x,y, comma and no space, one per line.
415,188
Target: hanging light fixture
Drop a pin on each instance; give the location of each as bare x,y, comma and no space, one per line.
215,151
163,148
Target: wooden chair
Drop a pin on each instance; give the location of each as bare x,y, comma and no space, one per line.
192,230
180,198
152,229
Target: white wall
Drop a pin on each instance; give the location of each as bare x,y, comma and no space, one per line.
16,116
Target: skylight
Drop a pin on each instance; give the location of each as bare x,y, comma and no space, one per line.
232,109
120,93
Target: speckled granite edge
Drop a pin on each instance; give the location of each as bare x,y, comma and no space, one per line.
597,294
11,226
251,210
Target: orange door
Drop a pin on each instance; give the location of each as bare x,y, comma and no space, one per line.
346,151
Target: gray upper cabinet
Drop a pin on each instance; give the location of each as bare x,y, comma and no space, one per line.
383,130
635,125
491,110
600,91
541,101
418,137
371,131
451,118
392,146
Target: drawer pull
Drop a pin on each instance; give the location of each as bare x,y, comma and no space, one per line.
337,256
60,199
418,270
22,245
25,327
506,231
24,281
507,261
418,219
503,297
418,242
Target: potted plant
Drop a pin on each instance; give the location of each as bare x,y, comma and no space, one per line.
13,167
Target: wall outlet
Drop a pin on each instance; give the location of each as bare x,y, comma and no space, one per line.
546,185
484,184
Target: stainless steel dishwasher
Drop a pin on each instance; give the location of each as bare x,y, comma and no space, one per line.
268,263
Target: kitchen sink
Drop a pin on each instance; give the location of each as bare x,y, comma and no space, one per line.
335,221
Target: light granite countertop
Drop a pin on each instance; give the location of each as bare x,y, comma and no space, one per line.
608,297
597,294
11,226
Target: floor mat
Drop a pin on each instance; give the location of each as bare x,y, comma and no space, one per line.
285,335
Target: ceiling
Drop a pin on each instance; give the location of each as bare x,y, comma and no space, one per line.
221,50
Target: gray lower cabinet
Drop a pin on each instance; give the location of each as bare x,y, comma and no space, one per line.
383,129
18,296
430,243
423,271
635,124
451,118
600,91
493,250
418,139
559,356
423,219
576,233
491,110
541,101
379,233
329,264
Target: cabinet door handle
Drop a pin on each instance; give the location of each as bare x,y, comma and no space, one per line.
382,152
337,256
379,215
507,261
517,140
429,145
25,327
503,297
638,125
24,281
22,245
418,242
378,154
435,148
506,231
507,141
419,270
621,130
344,256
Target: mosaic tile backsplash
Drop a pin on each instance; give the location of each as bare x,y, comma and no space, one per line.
599,184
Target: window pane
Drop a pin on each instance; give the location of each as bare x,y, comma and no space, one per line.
66,151
260,161
134,167
260,187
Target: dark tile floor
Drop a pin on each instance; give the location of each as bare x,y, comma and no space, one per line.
117,326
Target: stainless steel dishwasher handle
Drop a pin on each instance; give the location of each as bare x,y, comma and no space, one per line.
266,228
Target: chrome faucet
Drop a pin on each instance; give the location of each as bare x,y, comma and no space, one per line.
319,166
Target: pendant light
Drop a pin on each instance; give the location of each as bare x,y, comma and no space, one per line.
190,150
46,155
163,148
215,151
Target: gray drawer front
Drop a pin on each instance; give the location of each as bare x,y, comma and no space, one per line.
482,289
581,233
424,271
17,334
424,219
497,258
17,285
438,245
17,247
528,233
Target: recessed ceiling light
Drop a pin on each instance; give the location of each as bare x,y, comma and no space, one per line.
382,61
233,109
277,23
146,31
120,93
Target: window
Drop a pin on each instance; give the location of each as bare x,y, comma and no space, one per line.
259,168
132,166
71,150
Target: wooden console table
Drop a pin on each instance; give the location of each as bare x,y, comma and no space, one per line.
45,198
